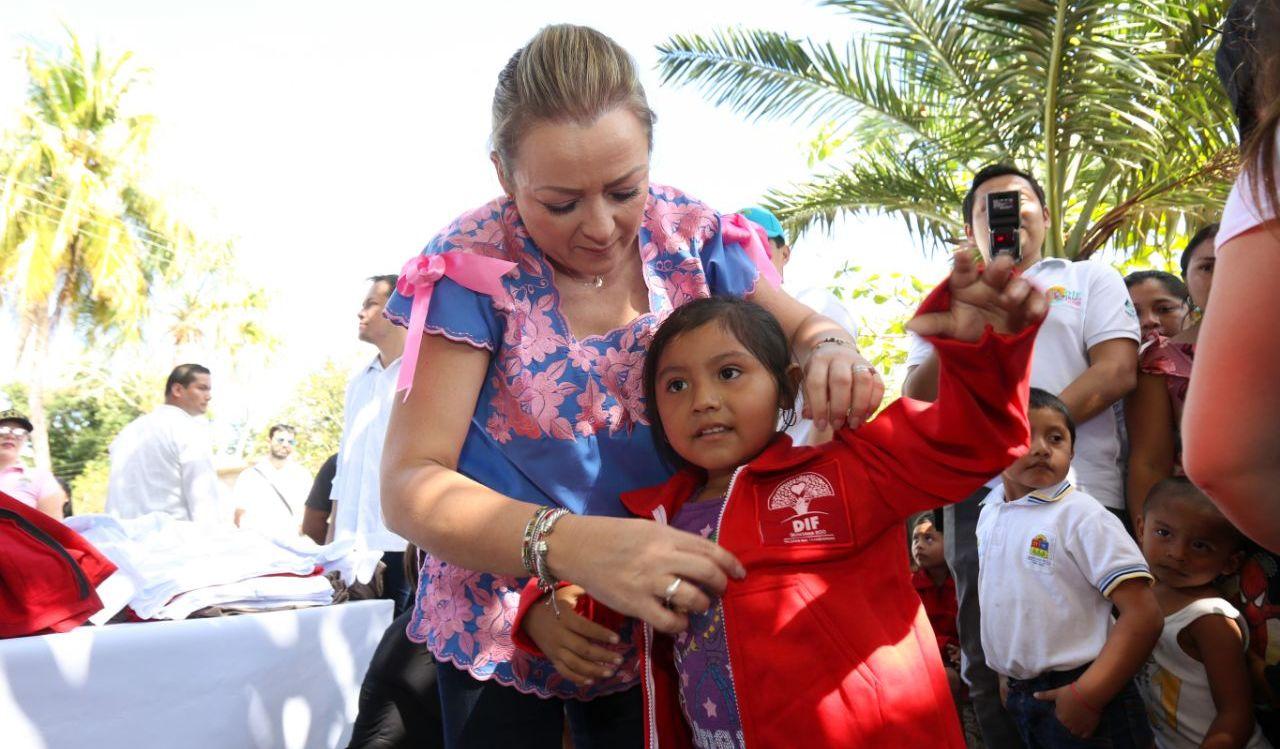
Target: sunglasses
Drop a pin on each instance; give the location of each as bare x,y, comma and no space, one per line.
15,431
284,441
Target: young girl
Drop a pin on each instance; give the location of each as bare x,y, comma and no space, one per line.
825,642
1197,683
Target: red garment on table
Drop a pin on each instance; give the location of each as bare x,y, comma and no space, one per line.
828,642
48,573
940,606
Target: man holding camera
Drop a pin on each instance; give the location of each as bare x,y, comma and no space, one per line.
1086,353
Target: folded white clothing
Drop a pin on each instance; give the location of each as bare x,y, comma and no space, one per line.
164,557
268,592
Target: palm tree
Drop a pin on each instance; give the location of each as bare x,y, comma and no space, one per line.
81,240
1115,106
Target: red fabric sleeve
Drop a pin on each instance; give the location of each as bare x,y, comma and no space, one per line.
587,607
918,456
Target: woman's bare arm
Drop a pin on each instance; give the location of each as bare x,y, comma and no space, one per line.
1229,435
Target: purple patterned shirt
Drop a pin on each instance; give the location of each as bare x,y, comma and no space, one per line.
707,698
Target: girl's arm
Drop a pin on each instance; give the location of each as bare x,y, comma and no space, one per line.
1229,433
1130,642
1220,645
1149,417
833,392
626,564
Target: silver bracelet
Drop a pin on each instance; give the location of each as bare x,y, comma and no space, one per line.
546,581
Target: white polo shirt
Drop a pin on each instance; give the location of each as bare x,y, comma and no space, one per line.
1047,564
1088,304
163,462
356,485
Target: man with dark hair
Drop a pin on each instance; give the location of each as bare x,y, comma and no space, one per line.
163,461
269,494
1086,353
357,499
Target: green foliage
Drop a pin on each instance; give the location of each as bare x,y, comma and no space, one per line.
1116,107
883,304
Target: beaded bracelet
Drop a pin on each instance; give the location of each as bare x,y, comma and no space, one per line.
836,340
546,581
526,548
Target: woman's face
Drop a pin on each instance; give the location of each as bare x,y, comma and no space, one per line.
1159,310
1200,273
581,190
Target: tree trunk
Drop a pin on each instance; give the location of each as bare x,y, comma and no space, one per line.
40,328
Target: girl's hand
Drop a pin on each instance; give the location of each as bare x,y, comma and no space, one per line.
570,641
1078,718
983,296
840,386
629,565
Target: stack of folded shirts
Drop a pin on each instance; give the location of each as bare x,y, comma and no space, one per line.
176,567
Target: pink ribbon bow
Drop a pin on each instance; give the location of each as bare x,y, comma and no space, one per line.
418,280
749,235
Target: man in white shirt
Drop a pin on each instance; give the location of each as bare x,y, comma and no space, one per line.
163,461
1086,353
357,499
818,298
269,495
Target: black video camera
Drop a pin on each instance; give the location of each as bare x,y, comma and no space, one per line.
1004,219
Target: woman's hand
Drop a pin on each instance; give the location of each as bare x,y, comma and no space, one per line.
571,642
631,565
840,386
983,296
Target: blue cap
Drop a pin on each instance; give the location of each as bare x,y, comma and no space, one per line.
767,221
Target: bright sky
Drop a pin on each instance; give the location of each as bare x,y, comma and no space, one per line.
332,140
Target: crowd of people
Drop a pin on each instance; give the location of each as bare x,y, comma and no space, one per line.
628,491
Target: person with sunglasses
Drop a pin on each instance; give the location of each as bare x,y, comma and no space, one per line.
31,486
269,495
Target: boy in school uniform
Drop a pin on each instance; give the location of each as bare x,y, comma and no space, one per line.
1053,562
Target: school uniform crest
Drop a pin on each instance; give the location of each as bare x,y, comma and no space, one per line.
1040,551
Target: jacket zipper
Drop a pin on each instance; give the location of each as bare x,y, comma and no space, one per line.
728,661
82,580
651,717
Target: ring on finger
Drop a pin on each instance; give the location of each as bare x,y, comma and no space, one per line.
670,592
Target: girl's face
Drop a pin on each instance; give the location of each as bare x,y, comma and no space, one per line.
1200,273
1159,311
1187,545
718,403
581,190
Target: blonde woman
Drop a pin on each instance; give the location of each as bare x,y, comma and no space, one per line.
527,398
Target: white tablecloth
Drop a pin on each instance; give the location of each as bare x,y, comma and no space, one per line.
286,679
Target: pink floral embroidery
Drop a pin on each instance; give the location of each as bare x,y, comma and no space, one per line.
493,627
530,334
592,415
621,372
580,356
683,287
677,227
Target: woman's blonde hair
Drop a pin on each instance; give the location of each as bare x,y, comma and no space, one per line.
564,74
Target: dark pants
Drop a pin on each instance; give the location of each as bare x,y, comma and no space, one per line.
960,545
395,587
488,714
1123,724
399,699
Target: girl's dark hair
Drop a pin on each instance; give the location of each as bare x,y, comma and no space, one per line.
754,327
1170,282
1206,232
1045,399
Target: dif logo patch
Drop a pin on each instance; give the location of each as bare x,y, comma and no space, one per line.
805,510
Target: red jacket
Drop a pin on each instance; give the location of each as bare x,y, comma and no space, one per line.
941,606
828,642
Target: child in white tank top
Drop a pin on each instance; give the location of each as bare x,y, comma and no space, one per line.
1196,684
